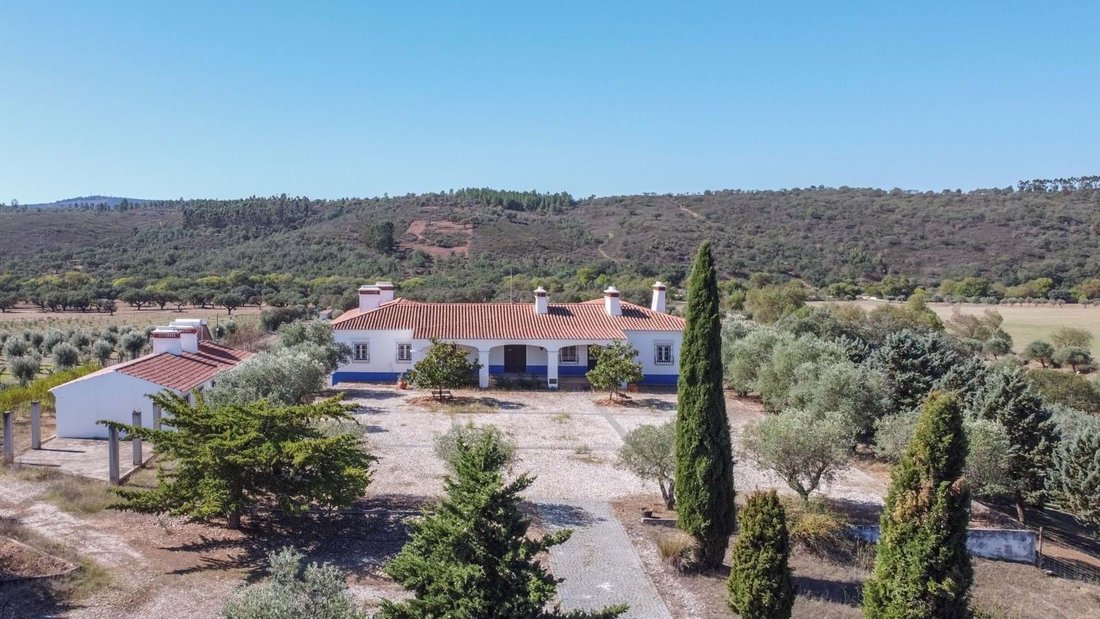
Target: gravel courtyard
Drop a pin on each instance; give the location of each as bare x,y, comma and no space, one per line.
568,440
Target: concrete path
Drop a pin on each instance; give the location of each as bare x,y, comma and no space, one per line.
83,457
598,563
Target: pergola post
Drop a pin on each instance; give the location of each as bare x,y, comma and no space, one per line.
112,456
36,425
9,438
135,441
156,416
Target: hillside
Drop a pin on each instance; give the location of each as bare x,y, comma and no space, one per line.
463,244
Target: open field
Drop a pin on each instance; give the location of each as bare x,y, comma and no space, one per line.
1023,323
29,317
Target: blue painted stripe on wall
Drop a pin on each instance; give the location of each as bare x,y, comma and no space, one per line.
660,379
496,369
536,369
364,377
572,370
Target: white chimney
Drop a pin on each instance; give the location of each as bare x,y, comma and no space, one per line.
189,339
166,339
542,303
386,289
658,298
369,297
611,302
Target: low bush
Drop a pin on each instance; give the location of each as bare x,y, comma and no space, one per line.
446,444
816,529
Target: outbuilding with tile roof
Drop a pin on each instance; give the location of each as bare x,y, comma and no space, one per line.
182,361
541,339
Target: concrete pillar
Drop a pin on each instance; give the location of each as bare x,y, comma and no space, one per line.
156,416
483,371
36,425
9,438
552,368
135,441
112,456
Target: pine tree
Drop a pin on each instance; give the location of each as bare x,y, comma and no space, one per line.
472,557
1009,400
760,584
1076,479
704,462
922,569
228,459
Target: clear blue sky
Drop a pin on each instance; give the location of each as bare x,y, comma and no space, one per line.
227,99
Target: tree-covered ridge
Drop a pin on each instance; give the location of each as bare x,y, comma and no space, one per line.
1048,233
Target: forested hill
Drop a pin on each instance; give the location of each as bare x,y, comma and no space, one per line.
464,244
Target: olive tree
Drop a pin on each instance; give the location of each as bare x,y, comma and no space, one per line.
802,447
649,452
616,366
445,366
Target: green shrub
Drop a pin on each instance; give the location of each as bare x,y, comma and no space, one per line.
760,584
649,452
446,444
315,592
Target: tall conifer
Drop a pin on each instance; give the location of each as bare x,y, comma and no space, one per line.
704,462
922,569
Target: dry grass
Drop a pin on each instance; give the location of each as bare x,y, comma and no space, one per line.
88,577
79,496
1025,323
675,547
29,317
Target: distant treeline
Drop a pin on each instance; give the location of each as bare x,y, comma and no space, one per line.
1039,240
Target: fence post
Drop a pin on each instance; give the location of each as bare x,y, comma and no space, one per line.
36,425
9,439
156,416
112,456
1039,554
136,441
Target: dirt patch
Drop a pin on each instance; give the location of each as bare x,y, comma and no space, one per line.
437,238
832,586
19,561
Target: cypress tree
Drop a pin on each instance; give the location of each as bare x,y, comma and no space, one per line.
760,584
704,462
922,569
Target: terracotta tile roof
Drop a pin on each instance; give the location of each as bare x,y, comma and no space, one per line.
563,321
182,372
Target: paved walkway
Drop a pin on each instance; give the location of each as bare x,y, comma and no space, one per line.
598,563
83,457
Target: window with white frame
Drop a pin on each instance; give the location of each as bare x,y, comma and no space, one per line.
404,352
662,353
567,354
361,351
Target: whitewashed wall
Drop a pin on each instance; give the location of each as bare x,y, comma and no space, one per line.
112,395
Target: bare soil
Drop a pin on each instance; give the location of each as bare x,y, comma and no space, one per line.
416,236
17,561
832,586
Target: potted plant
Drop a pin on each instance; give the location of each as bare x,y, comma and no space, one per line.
402,382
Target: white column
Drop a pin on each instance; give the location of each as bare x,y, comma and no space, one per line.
552,368
483,371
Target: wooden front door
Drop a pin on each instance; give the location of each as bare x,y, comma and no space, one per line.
515,359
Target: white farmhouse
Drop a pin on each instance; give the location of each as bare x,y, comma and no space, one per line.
182,360
544,339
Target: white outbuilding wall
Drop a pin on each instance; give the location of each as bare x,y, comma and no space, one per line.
112,395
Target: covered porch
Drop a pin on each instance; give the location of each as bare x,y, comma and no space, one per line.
554,362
